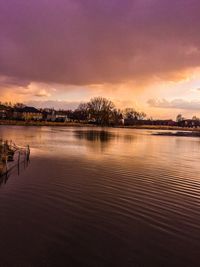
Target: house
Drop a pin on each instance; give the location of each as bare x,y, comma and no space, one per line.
17,114
45,113
31,113
27,113
129,122
189,123
57,116
3,112
121,120
164,122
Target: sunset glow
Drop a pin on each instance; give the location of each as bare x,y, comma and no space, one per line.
143,54
99,133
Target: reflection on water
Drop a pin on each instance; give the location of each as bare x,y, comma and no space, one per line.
95,139
100,140
3,179
16,164
16,169
102,197
101,135
92,135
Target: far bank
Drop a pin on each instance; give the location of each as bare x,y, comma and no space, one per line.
82,124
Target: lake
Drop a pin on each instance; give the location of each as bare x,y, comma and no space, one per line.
101,197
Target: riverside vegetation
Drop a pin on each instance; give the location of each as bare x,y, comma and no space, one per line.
98,111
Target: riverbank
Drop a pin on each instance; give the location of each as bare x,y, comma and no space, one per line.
81,124
44,123
159,127
179,133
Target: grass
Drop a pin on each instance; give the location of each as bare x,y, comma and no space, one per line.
161,127
43,123
82,124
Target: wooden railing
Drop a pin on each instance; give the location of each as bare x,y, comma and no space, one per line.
11,156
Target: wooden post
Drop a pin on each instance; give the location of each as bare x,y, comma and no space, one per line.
19,157
18,161
28,154
25,152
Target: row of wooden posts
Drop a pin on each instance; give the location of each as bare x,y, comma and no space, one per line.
9,159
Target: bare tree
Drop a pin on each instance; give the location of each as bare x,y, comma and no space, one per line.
117,117
130,113
81,113
100,109
179,118
195,118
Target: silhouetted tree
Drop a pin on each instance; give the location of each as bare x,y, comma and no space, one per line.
195,118
81,113
117,116
100,109
130,113
179,118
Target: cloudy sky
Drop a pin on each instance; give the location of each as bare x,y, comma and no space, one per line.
141,53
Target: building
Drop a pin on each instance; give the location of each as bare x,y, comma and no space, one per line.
3,112
164,122
129,122
57,116
189,123
27,113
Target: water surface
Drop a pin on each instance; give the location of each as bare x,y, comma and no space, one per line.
101,197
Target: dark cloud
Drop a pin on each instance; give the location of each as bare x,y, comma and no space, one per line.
101,41
7,82
175,104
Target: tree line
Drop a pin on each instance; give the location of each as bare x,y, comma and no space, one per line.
102,111
181,118
98,110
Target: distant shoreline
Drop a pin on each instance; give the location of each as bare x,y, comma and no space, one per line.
160,127
43,123
81,124
179,133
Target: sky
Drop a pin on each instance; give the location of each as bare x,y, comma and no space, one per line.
138,53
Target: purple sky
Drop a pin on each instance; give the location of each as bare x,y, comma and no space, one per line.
58,45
